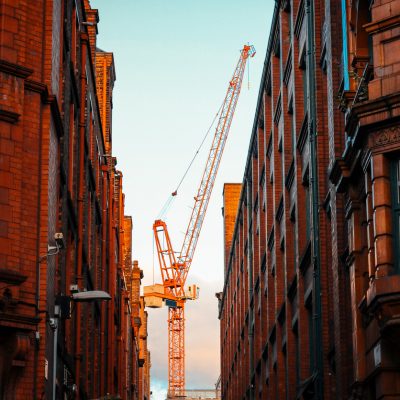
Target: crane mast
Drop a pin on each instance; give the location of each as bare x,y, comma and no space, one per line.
174,270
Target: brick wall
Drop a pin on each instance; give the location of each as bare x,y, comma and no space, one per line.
231,200
269,334
370,195
144,355
58,175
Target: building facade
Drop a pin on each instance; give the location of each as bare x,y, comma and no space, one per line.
367,174
58,180
310,302
144,355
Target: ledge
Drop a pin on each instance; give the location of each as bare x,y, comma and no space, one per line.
9,116
12,277
14,69
384,288
339,174
382,25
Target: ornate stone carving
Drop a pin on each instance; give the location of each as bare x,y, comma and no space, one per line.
14,347
387,136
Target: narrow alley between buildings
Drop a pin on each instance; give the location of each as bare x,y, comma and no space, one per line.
292,293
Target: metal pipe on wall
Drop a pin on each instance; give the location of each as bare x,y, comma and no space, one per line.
316,251
103,276
250,283
83,87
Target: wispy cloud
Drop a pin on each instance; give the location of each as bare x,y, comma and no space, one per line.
159,389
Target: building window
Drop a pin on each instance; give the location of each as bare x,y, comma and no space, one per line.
257,214
395,181
297,351
304,77
345,56
293,132
309,310
308,212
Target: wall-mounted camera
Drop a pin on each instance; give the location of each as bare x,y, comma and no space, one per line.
59,238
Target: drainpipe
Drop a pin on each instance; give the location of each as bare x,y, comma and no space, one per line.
120,293
78,349
111,279
104,170
250,282
318,344
54,323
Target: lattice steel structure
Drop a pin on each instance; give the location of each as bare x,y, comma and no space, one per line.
174,270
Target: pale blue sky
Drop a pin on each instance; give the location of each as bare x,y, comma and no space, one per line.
174,59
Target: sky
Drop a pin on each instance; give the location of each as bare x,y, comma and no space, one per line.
174,60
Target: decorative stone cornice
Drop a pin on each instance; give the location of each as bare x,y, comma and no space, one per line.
385,139
363,114
383,24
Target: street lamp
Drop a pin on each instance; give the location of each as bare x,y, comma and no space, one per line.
91,295
62,310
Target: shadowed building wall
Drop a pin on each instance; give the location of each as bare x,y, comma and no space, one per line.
311,293
57,174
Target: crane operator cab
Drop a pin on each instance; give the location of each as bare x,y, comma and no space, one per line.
192,292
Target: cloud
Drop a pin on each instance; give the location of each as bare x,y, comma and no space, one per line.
159,389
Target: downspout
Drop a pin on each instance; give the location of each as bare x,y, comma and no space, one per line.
38,224
318,353
120,291
111,280
104,170
250,283
78,349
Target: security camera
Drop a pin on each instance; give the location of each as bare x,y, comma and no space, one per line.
59,238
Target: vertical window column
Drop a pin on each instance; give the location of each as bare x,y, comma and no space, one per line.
345,56
395,186
382,216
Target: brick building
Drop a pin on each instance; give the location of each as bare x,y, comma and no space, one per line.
367,174
58,175
311,294
144,355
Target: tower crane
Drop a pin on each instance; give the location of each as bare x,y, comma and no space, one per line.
174,268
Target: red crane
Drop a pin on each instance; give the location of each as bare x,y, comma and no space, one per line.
174,269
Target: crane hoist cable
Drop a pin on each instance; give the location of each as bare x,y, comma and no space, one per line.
172,196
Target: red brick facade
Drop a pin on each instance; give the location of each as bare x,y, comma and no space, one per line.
231,200
367,172
144,355
310,307
58,175
273,324
311,294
